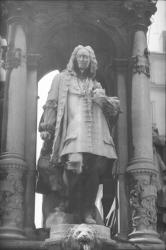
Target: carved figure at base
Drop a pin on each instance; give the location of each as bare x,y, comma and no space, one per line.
78,149
81,237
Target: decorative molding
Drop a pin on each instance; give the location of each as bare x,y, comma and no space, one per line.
141,165
140,64
120,64
33,60
157,85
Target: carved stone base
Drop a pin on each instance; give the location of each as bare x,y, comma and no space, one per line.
78,236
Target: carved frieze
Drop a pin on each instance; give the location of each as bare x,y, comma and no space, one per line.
11,196
12,170
142,197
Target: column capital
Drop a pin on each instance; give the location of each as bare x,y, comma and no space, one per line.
139,12
18,12
33,60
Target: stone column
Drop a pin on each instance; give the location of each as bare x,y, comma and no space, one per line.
3,47
141,170
30,142
12,164
122,147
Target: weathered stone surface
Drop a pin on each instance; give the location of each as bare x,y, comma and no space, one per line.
12,170
83,236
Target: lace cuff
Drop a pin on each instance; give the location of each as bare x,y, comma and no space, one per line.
46,127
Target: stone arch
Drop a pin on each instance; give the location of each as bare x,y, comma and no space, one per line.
61,37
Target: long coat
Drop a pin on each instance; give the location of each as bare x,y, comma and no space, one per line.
54,118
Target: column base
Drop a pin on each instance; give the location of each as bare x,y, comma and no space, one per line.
11,233
145,236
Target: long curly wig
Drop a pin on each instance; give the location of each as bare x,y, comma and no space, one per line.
72,65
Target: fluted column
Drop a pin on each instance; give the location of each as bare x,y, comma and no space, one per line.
12,164
30,142
141,170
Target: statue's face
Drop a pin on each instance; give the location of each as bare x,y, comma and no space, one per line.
83,59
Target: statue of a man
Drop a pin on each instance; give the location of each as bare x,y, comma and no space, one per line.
76,126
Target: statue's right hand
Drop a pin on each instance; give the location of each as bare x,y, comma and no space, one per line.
45,135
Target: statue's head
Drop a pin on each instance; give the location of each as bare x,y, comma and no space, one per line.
83,59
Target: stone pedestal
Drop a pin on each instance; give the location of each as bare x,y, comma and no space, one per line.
75,236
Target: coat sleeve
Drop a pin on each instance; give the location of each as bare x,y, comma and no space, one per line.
48,119
109,105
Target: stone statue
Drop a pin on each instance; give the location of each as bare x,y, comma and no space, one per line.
78,149
158,143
